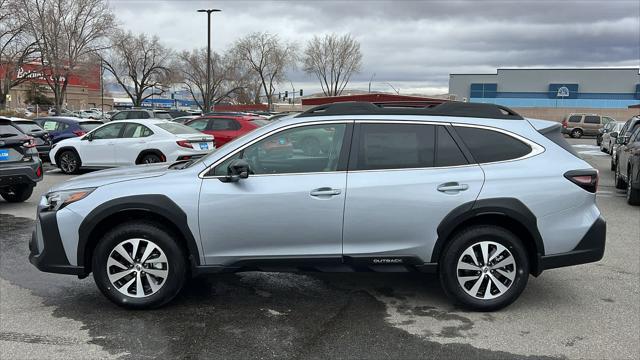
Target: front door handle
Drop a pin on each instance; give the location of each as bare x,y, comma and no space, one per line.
325,191
452,187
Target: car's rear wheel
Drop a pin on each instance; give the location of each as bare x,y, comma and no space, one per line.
139,265
618,180
612,165
69,162
576,133
17,193
150,159
633,193
484,268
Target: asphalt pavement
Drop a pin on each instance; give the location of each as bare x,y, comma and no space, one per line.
587,311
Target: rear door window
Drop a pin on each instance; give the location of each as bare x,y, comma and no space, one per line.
490,146
136,131
395,146
591,119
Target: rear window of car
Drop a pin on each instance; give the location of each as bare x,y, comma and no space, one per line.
89,125
7,130
575,118
489,146
259,122
175,128
28,126
162,115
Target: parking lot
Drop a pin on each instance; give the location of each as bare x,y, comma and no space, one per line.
586,311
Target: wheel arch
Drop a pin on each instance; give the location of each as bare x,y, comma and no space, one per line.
157,208
150,151
66,148
508,213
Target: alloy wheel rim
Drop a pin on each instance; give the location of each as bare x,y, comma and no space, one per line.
486,270
137,268
67,163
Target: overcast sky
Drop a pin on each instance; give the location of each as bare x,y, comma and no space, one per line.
413,45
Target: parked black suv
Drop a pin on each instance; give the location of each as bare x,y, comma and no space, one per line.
41,137
627,175
20,166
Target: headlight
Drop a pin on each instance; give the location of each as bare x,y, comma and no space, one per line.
58,199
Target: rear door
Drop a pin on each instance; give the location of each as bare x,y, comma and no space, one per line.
132,140
223,130
403,179
592,124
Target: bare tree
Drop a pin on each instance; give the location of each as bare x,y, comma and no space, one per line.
67,34
225,77
16,50
333,59
140,65
268,57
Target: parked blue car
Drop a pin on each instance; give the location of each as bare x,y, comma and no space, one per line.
61,128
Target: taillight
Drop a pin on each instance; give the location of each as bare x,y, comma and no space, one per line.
79,132
39,171
586,179
30,143
184,143
564,124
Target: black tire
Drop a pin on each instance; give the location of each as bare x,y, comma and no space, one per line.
612,166
311,146
148,231
17,193
618,180
633,193
576,133
69,162
150,159
472,236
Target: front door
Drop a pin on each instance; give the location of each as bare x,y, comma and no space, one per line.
403,180
290,207
98,148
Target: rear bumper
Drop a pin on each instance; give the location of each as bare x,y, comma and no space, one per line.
589,249
21,173
45,247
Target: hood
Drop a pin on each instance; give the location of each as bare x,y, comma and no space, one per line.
110,176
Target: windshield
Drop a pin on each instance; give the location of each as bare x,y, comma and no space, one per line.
28,126
176,128
89,125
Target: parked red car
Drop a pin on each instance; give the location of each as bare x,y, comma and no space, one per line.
225,128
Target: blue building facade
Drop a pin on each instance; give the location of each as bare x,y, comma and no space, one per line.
549,88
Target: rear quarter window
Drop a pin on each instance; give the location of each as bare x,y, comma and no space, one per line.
490,146
575,118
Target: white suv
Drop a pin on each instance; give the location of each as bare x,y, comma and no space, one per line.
131,142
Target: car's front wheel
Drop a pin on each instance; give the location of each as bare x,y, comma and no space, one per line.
484,268
69,162
618,181
139,265
17,193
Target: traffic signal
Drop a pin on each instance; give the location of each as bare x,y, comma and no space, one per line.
286,94
300,92
279,96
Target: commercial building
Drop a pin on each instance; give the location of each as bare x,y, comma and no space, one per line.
599,88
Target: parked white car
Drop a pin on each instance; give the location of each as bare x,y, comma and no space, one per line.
131,142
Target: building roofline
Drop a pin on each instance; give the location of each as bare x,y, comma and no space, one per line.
545,69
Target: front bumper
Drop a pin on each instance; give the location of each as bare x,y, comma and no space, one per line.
21,173
589,249
45,247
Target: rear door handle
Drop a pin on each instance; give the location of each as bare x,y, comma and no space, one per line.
452,187
325,191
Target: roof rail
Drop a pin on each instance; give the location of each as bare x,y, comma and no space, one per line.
449,108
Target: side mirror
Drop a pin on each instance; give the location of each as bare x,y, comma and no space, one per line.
236,170
614,134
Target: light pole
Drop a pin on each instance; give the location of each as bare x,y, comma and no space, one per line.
207,95
370,80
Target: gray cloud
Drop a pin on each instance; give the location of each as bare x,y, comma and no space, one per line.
415,44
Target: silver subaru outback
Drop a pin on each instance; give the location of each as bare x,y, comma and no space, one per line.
472,192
